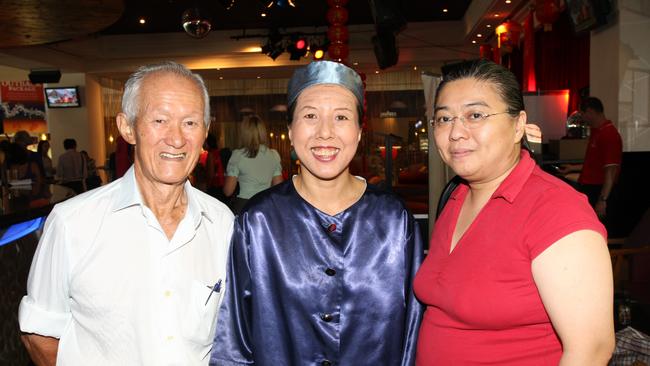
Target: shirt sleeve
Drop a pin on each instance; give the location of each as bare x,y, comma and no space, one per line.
414,309
613,149
45,309
277,162
232,343
233,164
559,212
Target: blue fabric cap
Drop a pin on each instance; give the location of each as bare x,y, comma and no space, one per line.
324,72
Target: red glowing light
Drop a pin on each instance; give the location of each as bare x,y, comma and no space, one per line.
301,44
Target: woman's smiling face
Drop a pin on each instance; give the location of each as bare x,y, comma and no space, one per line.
325,130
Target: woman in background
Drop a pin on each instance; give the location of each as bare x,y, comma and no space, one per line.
518,271
254,166
43,150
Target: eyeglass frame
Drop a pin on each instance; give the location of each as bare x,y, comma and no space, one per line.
462,119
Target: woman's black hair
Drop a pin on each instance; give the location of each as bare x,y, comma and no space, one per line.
503,80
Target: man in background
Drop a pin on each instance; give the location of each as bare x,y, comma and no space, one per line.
71,169
601,168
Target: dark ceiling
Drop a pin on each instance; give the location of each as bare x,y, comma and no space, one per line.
164,16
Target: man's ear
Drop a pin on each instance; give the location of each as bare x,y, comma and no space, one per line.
126,130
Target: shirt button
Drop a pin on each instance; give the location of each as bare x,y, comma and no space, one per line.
326,363
326,317
330,272
331,227
168,293
170,338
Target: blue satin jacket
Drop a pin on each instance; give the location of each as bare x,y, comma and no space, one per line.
307,288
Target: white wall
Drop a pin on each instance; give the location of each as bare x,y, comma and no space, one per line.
634,71
620,72
13,74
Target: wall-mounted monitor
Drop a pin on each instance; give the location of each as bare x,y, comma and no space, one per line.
589,14
62,97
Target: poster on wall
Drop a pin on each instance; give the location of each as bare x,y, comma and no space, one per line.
22,106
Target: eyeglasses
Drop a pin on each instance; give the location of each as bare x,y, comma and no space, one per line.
470,120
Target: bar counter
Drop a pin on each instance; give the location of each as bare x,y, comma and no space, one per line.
24,203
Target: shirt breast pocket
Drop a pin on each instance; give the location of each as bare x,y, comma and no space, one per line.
200,321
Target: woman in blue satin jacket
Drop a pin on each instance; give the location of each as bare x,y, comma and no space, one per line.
321,266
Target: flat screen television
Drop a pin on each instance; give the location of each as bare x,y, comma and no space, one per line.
62,97
588,14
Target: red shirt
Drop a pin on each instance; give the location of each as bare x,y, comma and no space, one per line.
482,303
605,148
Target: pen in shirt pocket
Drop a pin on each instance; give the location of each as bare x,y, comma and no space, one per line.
216,288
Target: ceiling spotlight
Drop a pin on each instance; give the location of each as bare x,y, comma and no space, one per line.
318,47
445,10
508,1
142,20
195,24
297,48
279,3
263,15
474,41
479,35
489,25
227,3
274,45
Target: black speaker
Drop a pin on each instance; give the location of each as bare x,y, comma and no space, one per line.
387,14
386,50
44,76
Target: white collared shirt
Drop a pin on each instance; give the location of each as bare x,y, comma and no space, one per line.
107,281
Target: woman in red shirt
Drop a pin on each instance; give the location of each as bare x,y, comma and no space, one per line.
518,271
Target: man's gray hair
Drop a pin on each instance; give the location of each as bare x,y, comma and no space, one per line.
131,97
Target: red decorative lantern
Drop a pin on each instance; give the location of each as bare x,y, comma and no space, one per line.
508,35
333,3
485,51
338,51
337,15
338,33
547,12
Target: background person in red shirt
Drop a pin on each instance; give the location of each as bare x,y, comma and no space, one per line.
601,168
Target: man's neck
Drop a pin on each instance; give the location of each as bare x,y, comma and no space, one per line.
167,202
598,123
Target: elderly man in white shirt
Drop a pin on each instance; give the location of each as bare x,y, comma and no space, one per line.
132,273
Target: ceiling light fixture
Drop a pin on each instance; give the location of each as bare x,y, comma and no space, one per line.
274,46
195,23
279,3
297,48
479,35
142,21
445,10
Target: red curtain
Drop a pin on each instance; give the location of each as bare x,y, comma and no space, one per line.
529,83
562,60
